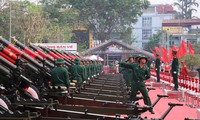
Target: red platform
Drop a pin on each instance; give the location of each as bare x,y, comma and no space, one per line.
177,113
157,84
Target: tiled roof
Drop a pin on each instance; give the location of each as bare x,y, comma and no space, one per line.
181,22
127,46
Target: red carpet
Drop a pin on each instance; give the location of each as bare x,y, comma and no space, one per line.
177,113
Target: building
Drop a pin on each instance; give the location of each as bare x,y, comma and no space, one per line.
116,50
185,29
150,22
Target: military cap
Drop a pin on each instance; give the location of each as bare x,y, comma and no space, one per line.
76,60
129,58
143,57
174,51
60,61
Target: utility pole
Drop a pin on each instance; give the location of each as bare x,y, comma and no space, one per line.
10,21
167,39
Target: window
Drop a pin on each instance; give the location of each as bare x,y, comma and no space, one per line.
146,34
171,43
146,22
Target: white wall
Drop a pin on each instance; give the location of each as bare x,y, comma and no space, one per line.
156,25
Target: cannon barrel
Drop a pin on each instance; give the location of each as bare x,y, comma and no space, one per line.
7,57
4,71
55,56
50,53
11,57
70,55
31,53
62,56
12,68
7,63
68,59
19,52
41,53
42,70
15,72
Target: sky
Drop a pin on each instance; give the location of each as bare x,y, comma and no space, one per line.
172,1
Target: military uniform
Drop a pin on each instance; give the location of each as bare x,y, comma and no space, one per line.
77,71
139,75
84,74
128,76
59,74
157,65
174,70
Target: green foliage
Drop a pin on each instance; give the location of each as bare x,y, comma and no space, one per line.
154,41
82,47
30,23
186,8
53,20
61,17
191,60
126,36
107,16
196,47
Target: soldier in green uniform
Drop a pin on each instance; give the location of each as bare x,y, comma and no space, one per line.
157,65
86,63
137,58
128,75
77,73
174,69
84,74
59,74
140,73
91,69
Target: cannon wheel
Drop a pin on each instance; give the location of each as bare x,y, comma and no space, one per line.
5,102
33,91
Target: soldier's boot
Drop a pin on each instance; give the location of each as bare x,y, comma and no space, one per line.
151,111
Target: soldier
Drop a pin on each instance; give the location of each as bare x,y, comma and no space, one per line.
140,73
184,68
137,58
149,62
59,74
77,73
83,65
128,75
157,65
174,69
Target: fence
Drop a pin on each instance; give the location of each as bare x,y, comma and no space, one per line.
189,85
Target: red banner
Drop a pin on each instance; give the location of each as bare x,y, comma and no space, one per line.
164,54
182,50
191,49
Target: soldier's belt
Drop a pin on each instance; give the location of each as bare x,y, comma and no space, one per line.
74,81
59,87
72,84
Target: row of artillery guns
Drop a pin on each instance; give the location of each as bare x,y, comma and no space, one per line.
26,92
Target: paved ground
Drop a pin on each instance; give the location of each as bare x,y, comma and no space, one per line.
177,113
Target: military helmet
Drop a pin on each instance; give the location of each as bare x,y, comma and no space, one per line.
76,60
60,61
143,57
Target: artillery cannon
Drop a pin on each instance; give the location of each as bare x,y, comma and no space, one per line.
31,53
79,106
43,71
55,56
